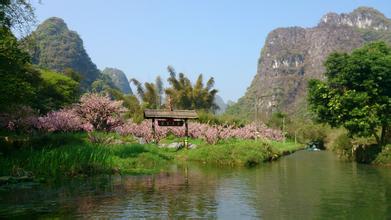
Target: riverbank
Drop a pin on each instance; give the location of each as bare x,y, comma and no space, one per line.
79,154
239,152
317,180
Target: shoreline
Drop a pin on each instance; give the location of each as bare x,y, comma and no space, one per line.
72,155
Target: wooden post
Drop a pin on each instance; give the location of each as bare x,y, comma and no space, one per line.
153,129
283,127
186,134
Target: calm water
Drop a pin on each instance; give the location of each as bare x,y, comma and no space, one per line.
305,185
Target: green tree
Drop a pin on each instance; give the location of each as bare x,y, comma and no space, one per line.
18,79
56,91
17,14
357,92
73,74
186,96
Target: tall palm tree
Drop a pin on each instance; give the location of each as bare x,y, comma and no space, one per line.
150,93
186,96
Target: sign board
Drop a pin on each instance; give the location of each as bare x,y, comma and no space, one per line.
170,123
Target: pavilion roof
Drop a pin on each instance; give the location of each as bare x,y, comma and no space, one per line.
165,114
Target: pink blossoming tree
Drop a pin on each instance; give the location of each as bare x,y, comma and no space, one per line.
100,111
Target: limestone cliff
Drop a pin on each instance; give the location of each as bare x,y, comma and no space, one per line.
293,55
119,79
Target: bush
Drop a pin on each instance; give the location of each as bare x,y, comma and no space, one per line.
21,119
342,145
384,157
365,153
64,120
226,120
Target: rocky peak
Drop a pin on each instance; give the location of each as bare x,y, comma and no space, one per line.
119,79
293,55
362,17
53,25
55,47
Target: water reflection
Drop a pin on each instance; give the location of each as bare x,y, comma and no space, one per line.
301,186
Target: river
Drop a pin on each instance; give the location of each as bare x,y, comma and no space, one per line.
304,185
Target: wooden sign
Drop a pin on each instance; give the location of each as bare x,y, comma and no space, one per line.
170,123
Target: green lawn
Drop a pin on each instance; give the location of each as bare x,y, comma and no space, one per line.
238,152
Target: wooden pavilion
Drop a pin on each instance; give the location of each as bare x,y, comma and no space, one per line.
167,117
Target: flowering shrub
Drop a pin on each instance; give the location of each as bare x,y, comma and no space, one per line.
211,134
100,111
94,112
62,120
23,118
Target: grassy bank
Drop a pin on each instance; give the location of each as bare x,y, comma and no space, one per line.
238,152
384,157
86,159
75,154
361,150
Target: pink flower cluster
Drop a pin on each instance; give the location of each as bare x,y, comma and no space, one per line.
100,111
209,133
63,120
94,112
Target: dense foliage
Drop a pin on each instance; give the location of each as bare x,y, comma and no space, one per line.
357,92
56,91
16,14
19,81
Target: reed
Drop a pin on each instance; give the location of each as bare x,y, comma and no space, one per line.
86,159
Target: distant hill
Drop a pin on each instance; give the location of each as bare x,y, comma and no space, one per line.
221,104
293,55
52,45
119,79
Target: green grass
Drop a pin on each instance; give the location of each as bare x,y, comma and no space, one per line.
171,139
238,152
86,159
287,146
78,154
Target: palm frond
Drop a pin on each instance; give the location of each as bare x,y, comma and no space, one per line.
139,87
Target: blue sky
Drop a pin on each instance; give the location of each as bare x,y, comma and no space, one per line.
219,38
